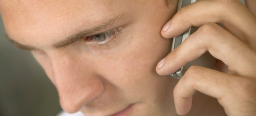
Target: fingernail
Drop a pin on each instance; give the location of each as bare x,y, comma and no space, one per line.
161,63
166,26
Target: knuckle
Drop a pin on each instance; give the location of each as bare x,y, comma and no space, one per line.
193,76
208,31
193,72
208,28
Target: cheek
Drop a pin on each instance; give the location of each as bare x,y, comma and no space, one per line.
135,65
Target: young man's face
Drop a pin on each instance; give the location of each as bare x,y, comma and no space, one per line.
104,74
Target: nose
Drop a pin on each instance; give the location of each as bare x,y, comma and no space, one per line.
75,81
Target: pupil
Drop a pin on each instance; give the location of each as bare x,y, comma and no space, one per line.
98,35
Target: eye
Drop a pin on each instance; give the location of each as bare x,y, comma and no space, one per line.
102,38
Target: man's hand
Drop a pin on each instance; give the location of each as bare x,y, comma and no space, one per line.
234,45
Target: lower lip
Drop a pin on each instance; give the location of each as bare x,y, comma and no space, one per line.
125,112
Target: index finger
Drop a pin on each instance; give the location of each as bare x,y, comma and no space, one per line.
234,16
221,45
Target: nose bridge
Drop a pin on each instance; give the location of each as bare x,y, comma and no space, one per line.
75,82
61,65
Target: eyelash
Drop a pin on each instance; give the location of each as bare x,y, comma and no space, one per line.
110,38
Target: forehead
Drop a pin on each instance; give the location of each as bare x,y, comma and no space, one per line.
48,10
41,18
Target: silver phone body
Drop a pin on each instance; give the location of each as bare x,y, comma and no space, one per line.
206,60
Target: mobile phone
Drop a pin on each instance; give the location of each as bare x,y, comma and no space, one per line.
206,60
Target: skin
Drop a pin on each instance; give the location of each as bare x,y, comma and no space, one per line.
103,80
233,84
99,81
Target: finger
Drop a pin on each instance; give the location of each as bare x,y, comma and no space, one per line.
221,45
234,16
207,81
251,5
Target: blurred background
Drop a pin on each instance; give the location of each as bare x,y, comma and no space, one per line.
25,90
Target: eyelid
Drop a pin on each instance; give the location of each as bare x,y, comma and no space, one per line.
110,32
101,32
111,39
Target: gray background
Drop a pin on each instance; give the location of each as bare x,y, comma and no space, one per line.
25,90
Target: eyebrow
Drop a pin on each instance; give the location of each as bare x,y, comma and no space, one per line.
73,38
